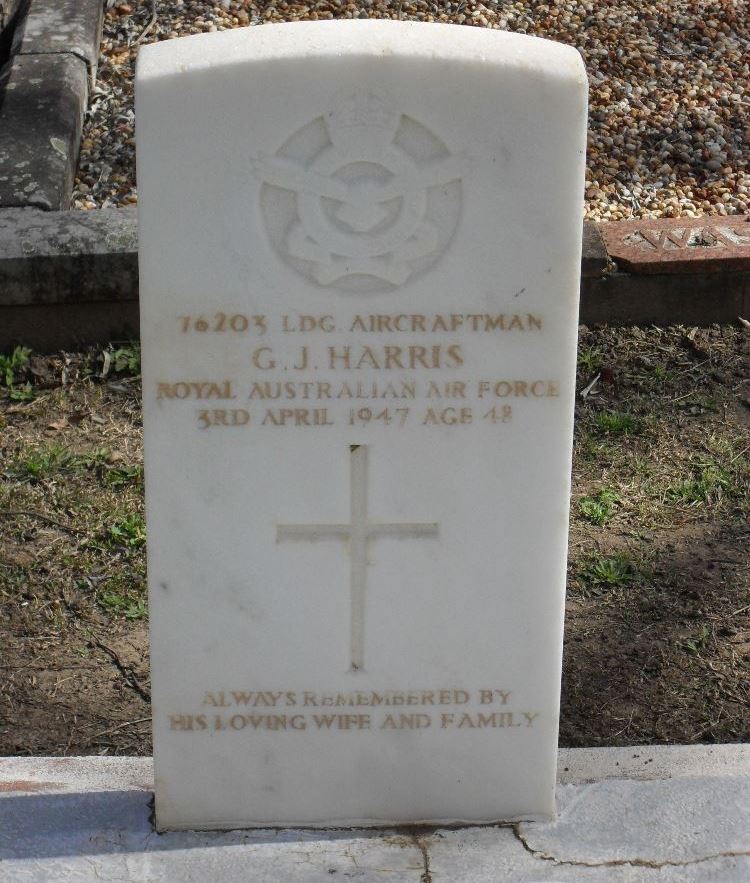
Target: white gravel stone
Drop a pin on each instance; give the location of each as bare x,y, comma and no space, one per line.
669,80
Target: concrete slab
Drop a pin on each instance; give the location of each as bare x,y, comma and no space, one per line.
626,815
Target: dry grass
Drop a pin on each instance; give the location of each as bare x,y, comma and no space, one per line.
658,622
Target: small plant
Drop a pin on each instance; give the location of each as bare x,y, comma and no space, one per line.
122,476
100,461
599,508
589,359
616,423
125,360
698,642
39,464
123,605
98,458
129,531
608,571
9,365
708,483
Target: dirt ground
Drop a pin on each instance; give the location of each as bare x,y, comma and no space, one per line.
657,642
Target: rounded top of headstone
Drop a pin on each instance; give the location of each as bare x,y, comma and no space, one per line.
370,38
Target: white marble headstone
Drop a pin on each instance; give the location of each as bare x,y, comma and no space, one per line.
359,257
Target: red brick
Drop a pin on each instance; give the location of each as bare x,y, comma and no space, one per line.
680,245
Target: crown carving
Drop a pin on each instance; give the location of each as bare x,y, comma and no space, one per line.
363,111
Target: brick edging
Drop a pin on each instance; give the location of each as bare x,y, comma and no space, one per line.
679,245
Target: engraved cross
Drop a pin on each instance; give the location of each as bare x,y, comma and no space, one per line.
358,532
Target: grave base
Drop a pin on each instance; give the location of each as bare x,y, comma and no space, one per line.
638,814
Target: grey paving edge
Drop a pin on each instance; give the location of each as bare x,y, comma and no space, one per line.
53,27
70,278
63,258
664,814
41,116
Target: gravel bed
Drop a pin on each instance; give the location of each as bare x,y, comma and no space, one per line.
669,123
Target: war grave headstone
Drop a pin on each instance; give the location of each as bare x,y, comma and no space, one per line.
359,262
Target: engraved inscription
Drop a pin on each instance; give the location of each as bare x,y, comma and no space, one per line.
290,370
358,532
298,711
362,198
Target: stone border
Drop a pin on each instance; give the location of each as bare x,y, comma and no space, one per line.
62,27
71,278
44,91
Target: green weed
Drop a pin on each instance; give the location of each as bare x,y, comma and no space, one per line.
599,508
95,460
125,359
129,531
661,375
130,608
698,642
121,476
9,365
589,359
608,571
40,463
617,423
100,461
707,484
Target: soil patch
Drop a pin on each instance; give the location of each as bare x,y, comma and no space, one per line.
658,615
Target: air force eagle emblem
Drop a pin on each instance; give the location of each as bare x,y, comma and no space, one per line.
361,199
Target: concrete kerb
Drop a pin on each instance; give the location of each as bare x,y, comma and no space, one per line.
71,278
62,27
43,97
646,814
40,130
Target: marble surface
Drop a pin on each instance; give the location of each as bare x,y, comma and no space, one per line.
359,291
651,814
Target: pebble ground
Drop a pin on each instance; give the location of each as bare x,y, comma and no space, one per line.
669,120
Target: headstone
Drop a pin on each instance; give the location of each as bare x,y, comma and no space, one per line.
359,247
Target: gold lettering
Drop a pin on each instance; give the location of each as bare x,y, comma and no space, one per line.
393,357
262,358
406,722
218,700
303,359
502,389
534,321
486,697
187,722
342,721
